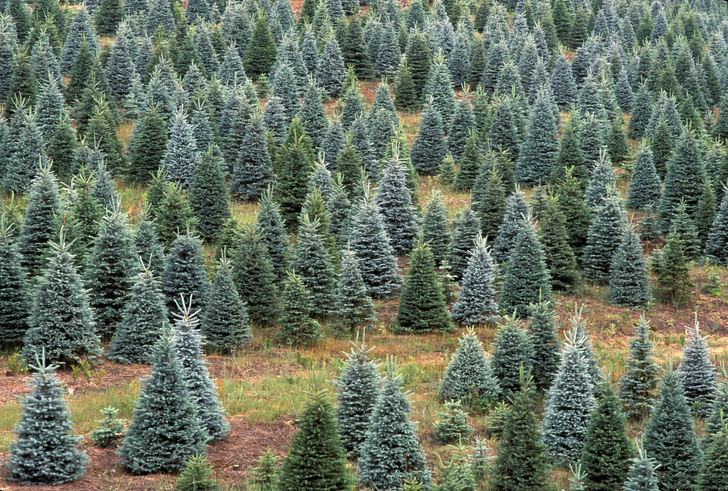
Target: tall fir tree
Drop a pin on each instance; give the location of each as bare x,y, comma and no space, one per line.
37,226
147,146
629,284
354,307
546,346
603,240
536,159
644,184
272,231
697,373
45,449
559,256
578,215
477,303
391,452
261,51
638,384
181,153
208,196
164,404
429,149
294,167
15,294
396,208
255,278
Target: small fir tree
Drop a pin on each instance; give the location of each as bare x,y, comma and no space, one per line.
261,51
512,350
316,458
109,429
142,321
559,256
452,425
603,240
536,159
224,322
208,196
468,376
331,70
511,224
358,389
255,278
629,285
181,153
477,303
297,325
15,294
712,473
295,164
197,475
716,246
546,346
465,230
395,205
527,278
429,149
638,384
61,324
173,215
187,344
644,184
164,405
670,437
470,165
391,452
184,273
569,405
684,226
147,146
672,272
272,231
697,373
607,450
642,473
44,450
354,307
422,304
435,229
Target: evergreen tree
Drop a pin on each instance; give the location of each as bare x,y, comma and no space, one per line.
527,278
716,247
261,51
642,474
272,232
577,213
546,346
331,71
187,344
512,223
419,60
252,172
357,389
164,405
570,155
316,459
174,215
559,256
644,185
224,323
629,285
616,142
159,13
147,146
670,437
706,213
61,324
712,472
354,308
522,461
435,229
714,423
208,196
79,32
697,373
24,153
512,350
465,230
639,382
255,278
312,265
607,450
684,226
297,325
49,110
685,175
37,227
354,51
470,164
15,295
391,452
294,167
44,450
439,86
184,274
536,159
468,376
477,302
181,153
406,97
422,305
142,322
108,17
397,211
61,148
662,146
603,240
429,149
603,182
670,267
107,273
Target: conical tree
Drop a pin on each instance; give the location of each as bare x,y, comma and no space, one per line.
187,344
395,205
546,346
15,295
603,240
331,70
670,437
369,241
642,473
107,273
716,247
164,405
470,165
44,450
255,278
577,213
527,278
558,254
684,226
312,263
147,146
512,350
422,304
638,384
181,153
607,450
523,460
272,232
147,246
465,230
61,321
468,377
477,301
224,321
316,459
354,307
435,228
569,406
570,154
357,391
297,325
295,164
391,453
511,224
629,285
697,373
184,273
684,179
429,149
671,268
208,196
173,215
142,322
261,51
536,159
713,471
644,184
